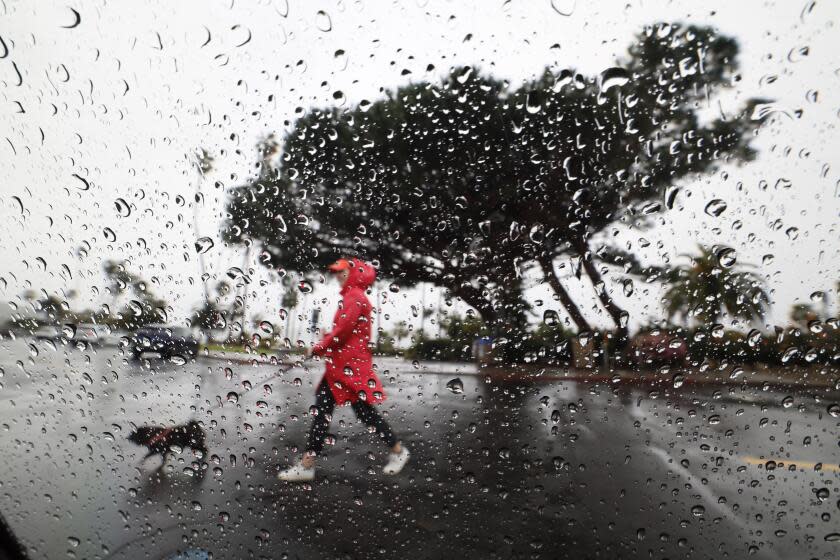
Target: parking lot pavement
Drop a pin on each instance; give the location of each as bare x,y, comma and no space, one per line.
500,468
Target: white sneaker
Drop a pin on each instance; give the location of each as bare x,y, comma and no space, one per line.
396,461
297,473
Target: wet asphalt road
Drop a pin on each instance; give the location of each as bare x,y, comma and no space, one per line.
502,470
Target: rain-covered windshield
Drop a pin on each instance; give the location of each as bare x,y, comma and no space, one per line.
419,279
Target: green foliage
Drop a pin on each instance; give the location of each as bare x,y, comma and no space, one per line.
711,287
787,347
209,317
802,313
439,349
465,182
144,308
547,345
51,309
290,299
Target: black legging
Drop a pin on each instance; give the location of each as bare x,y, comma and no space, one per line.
325,403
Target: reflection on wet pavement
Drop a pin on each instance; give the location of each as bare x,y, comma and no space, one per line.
499,469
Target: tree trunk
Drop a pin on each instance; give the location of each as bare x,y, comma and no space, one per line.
547,265
474,299
618,315
503,313
202,269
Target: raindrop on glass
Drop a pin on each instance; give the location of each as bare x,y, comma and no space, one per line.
455,386
203,244
323,21
715,208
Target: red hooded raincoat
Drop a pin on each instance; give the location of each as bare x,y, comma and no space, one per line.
349,372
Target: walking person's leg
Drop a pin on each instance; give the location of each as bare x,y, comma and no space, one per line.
371,417
324,407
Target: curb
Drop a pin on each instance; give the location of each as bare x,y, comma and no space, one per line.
597,379
593,379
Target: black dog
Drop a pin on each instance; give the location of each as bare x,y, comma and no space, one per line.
160,440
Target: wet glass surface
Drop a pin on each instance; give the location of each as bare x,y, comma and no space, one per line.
579,260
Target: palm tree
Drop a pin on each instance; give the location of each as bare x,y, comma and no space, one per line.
204,165
712,286
289,303
802,313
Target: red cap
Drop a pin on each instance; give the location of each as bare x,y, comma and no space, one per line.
339,265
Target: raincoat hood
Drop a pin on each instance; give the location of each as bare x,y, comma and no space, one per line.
362,275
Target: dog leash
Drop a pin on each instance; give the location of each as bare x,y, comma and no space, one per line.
285,368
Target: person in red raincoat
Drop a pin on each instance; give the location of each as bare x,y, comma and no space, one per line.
349,377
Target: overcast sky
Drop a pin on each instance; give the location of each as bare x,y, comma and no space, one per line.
125,97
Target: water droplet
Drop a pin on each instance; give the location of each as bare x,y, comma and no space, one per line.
726,257
109,234
77,19
551,318
464,75
123,209
563,7
798,53
834,410
178,360
455,386
73,541
789,354
532,103
612,77
650,208
85,185
787,402
323,21
394,288
671,196
233,397
714,419
305,287
715,208
203,244
792,233
266,327
832,537
698,511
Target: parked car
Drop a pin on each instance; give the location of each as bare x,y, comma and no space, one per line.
164,341
657,348
90,334
47,332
